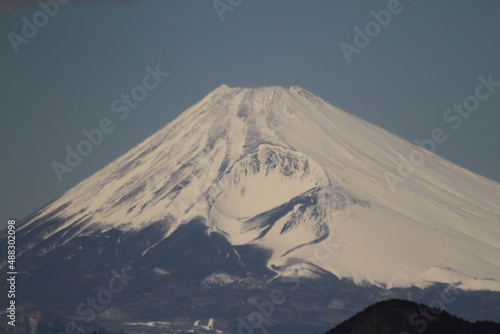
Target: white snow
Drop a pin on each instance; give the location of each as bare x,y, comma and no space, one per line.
240,153
219,279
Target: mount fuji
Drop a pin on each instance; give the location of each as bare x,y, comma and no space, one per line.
250,189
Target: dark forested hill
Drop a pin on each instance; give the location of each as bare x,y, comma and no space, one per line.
406,317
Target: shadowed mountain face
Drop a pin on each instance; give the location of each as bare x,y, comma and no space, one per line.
38,322
255,190
405,317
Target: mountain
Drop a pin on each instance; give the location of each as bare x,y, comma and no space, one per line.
258,189
401,316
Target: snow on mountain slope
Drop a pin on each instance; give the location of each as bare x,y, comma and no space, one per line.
283,169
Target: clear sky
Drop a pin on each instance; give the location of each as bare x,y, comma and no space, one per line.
66,75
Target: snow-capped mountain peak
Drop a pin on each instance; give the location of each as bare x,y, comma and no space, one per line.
282,169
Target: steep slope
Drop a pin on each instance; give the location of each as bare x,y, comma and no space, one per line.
283,170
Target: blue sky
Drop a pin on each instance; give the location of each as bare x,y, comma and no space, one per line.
64,79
